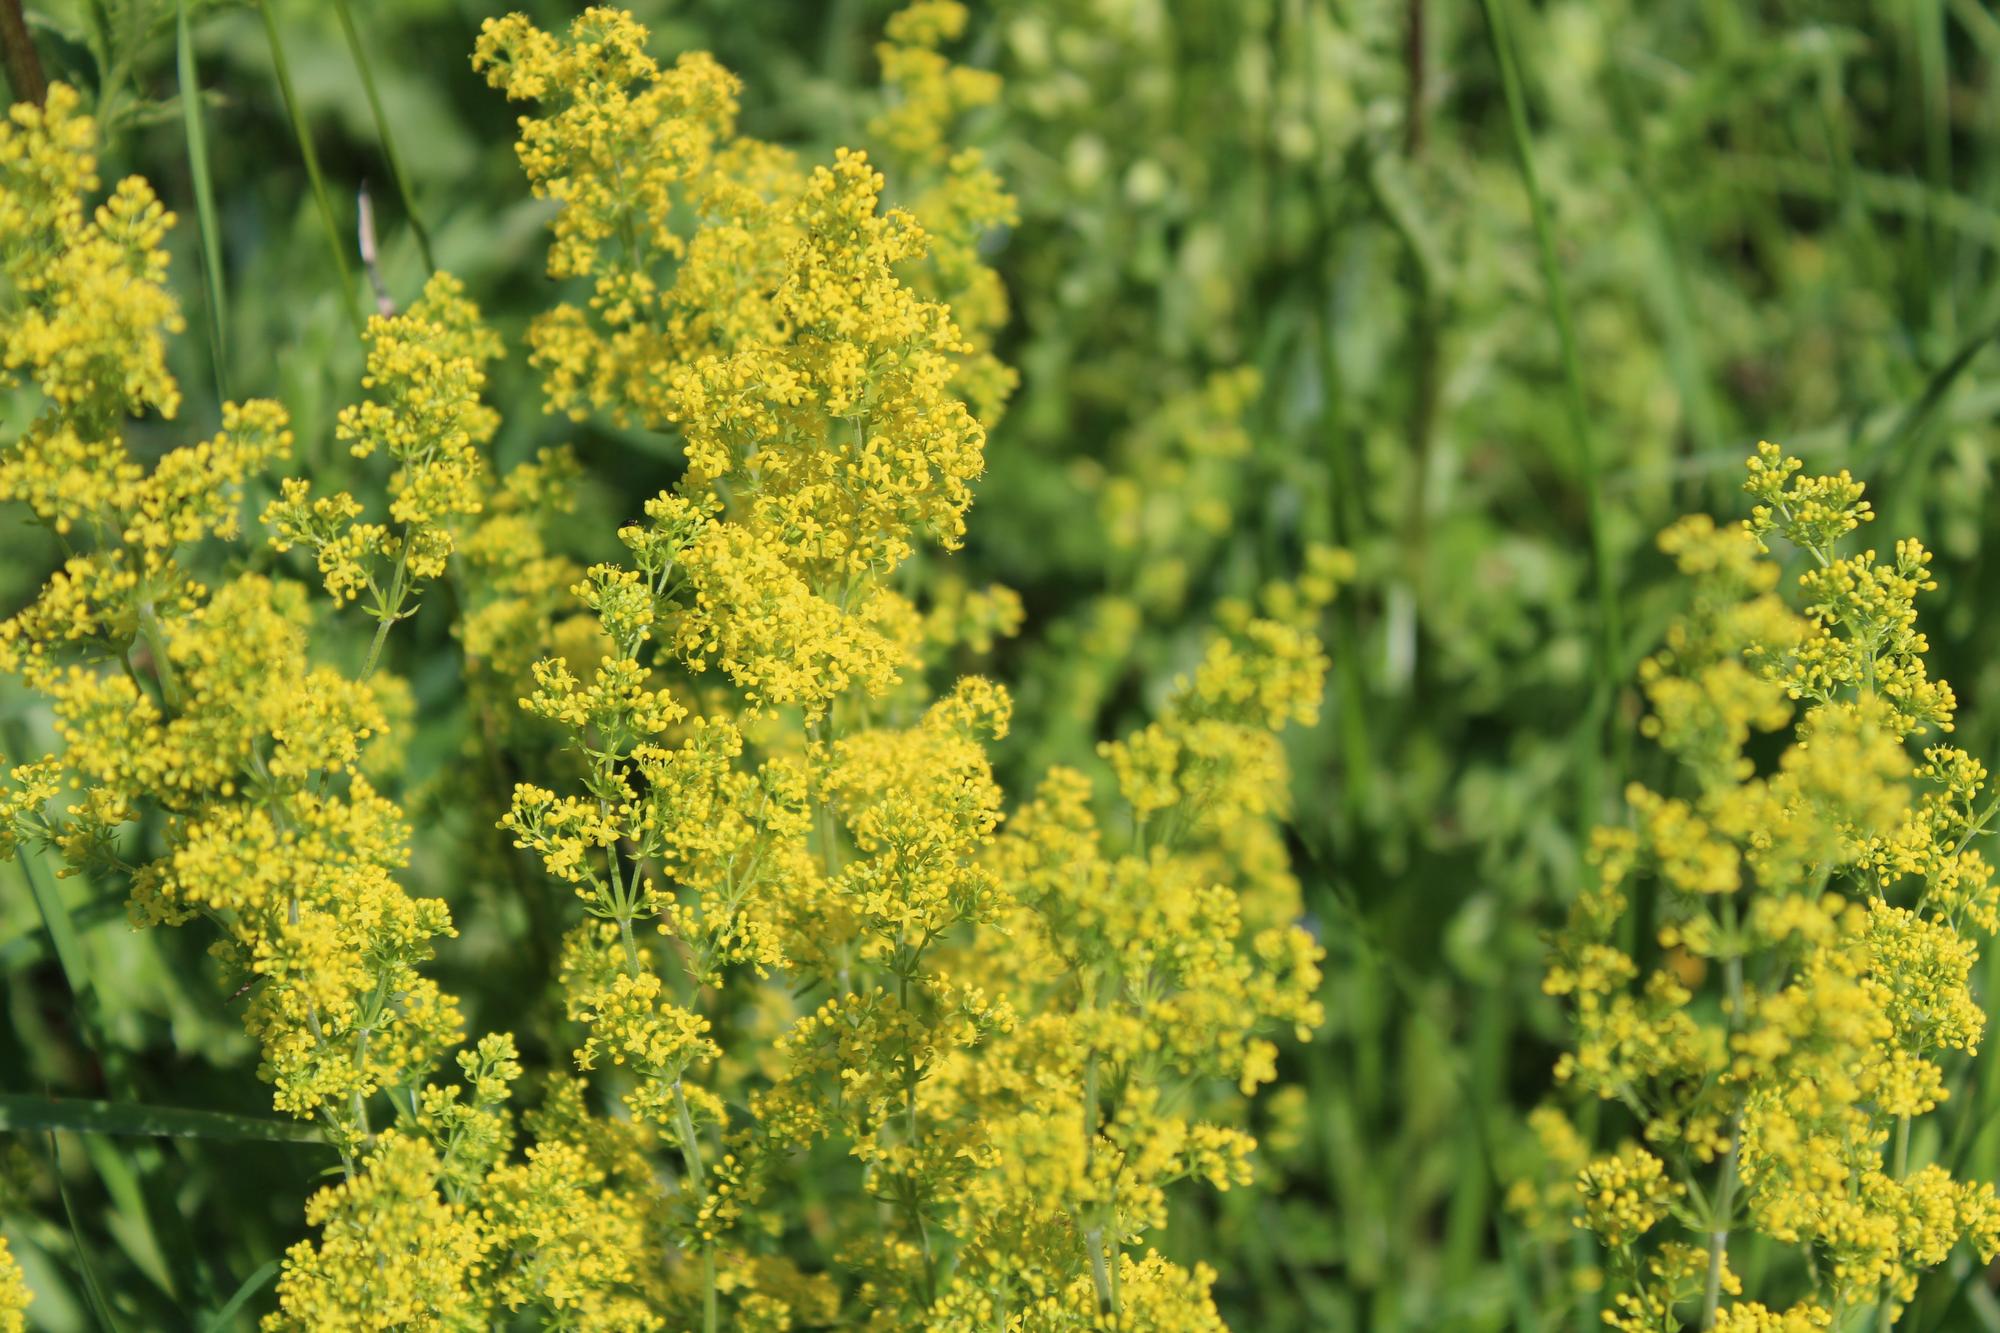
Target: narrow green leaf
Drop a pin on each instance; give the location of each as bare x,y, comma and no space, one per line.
98,1304
204,192
63,938
68,946
1878,191
1610,634
1913,441
129,1218
383,133
25,949
256,1282
300,131
25,1113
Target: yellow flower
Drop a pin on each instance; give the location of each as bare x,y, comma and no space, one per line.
391,1254
14,1293
1625,1195
1819,905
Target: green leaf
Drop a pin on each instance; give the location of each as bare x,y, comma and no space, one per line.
98,1304
382,131
21,1113
310,156
204,191
256,1282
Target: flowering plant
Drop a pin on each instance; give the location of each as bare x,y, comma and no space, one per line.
1804,997
837,1034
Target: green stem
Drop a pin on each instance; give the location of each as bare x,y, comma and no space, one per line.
697,1178
390,609
631,946
1718,1235
1885,1314
1725,1190
155,635
1093,1239
303,134
353,35
204,194
910,1119
359,1104
697,1174
1103,1274
1610,634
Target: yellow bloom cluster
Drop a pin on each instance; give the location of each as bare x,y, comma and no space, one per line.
1625,1195
959,197
203,708
202,703
14,1293
426,370
88,309
84,323
778,335
391,1252
1813,963
1027,1034
813,935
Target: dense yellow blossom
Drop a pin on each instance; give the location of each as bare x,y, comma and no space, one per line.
1813,918
88,312
1625,1195
1752,1317
804,923
425,371
391,1253
14,1293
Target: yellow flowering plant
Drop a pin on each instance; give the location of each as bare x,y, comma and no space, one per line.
837,1034
1807,910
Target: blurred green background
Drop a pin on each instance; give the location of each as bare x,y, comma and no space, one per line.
1280,277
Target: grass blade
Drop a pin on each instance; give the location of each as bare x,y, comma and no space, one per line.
130,1217
98,1304
204,191
300,131
382,132
55,916
25,949
67,946
1879,192
21,1113
1911,442
1610,632
256,1282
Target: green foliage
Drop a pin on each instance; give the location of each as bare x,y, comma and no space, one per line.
1277,292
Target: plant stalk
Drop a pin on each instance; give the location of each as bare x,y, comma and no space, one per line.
18,54
1610,629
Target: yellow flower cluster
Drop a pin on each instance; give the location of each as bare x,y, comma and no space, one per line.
426,369
1625,1195
201,709
391,1252
88,310
778,335
1027,1034
1813,956
14,1293
813,935
959,197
